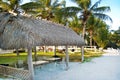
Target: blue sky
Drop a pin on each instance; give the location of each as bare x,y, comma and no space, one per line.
114,14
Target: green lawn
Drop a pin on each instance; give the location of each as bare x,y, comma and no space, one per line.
12,58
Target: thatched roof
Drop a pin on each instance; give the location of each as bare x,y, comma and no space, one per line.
23,32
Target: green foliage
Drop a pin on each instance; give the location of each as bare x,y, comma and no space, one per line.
30,6
75,24
115,37
102,36
10,5
46,9
86,10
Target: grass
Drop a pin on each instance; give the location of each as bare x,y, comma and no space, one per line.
12,58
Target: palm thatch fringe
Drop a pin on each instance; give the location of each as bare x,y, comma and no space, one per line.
23,32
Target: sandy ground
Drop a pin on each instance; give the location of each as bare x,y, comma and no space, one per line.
102,68
106,67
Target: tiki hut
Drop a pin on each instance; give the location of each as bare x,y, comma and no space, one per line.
25,32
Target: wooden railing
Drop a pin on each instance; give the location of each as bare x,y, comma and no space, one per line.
91,48
15,73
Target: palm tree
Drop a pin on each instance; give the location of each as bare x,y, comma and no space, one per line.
46,9
10,5
75,23
101,35
92,25
86,9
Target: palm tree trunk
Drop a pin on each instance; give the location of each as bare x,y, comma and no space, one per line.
17,52
84,27
45,49
90,38
83,36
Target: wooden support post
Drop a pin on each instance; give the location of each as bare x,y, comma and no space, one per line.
67,58
35,53
45,49
30,65
54,51
17,52
82,53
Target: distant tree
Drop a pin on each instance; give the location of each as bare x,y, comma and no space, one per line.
93,24
115,37
75,23
101,36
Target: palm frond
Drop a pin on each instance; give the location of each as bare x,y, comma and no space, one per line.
95,5
15,2
63,3
55,3
5,6
103,16
30,5
69,11
48,3
72,9
102,9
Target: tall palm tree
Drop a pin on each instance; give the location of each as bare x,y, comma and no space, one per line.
86,9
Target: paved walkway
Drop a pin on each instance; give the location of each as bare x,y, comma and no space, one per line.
102,68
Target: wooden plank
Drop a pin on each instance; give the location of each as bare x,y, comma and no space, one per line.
52,59
40,62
